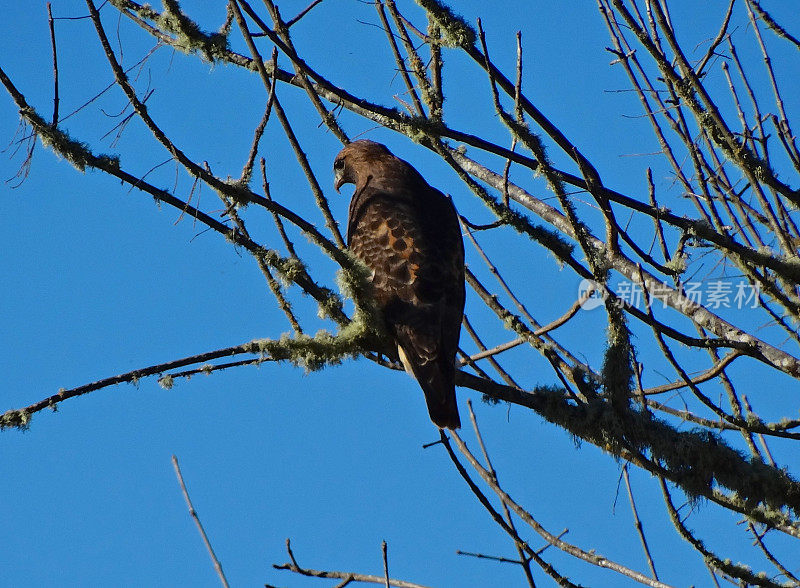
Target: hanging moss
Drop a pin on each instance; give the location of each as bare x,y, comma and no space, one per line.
75,152
699,461
16,419
617,369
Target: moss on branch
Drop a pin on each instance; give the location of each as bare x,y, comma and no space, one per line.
77,153
189,37
457,32
15,419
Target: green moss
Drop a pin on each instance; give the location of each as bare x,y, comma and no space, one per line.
325,348
314,353
75,152
354,281
617,369
457,32
189,38
17,419
238,191
291,270
677,264
699,461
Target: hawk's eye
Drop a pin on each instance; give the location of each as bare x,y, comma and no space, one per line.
338,164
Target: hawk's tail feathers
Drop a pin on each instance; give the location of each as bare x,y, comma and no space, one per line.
443,410
438,385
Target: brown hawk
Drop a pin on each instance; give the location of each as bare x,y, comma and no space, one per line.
408,234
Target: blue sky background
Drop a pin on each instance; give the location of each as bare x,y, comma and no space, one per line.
99,280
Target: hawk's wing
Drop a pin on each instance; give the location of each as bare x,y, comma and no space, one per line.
413,246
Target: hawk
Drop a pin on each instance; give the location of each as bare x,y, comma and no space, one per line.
408,234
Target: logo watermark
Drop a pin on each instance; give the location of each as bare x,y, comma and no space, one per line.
713,294
591,294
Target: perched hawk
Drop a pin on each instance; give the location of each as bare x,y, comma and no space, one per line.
408,234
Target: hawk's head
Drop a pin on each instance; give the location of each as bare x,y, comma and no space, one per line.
359,160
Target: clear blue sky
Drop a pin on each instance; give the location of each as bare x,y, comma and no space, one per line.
99,280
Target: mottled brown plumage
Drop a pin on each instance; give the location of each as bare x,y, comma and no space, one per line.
408,234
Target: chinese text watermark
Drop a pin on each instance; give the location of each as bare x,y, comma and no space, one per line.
713,294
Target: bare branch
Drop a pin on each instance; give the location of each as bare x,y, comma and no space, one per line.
293,566
193,512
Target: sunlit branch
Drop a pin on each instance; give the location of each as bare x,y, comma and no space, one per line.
293,566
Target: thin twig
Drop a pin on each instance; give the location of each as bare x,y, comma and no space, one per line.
535,556
385,563
293,566
302,13
759,537
193,512
524,561
587,556
638,523
55,62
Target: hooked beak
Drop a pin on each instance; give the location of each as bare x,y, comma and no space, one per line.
338,178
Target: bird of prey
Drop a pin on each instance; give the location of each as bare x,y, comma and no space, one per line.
408,234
